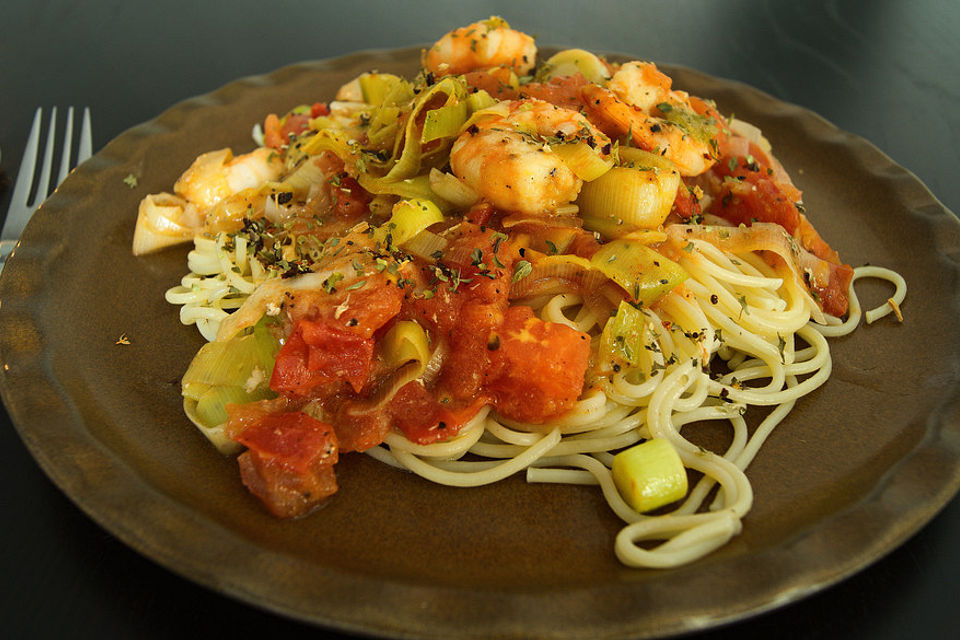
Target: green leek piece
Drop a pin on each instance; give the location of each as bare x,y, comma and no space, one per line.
405,342
416,188
650,475
450,188
642,159
573,61
231,362
622,340
211,409
608,227
444,122
583,160
627,198
384,89
409,218
302,178
333,141
384,125
237,371
480,100
644,274
217,435
411,156
425,245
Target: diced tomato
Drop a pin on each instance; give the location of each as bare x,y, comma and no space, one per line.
438,313
359,426
271,132
424,419
318,109
465,367
465,279
277,132
242,416
494,81
289,462
333,337
361,311
563,91
537,368
317,353
294,125
834,296
349,201
483,262
339,354
751,197
479,213
584,244
685,204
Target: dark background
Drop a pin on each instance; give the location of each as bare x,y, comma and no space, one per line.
887,70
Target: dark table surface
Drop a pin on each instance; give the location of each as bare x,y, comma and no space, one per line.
886,70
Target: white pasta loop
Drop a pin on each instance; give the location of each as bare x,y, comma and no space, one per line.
471,478
223,272
687,539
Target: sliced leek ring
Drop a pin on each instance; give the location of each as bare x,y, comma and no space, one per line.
572,61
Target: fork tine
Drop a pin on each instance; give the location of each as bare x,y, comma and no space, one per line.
67,145
86,137
21,190
43,187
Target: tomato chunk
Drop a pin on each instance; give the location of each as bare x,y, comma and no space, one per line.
317,353
289,462
562,91
424,419
537,367
333,337
755,188
494,81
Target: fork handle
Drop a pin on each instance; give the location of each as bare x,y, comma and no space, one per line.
6,248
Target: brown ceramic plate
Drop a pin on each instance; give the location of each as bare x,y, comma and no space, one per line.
858,467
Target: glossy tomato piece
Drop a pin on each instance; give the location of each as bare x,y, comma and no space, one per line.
537,368
423,418
564,91
317,353
289,462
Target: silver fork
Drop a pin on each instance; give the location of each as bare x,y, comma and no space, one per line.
21,206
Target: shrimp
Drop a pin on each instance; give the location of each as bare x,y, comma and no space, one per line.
216,175
212,195
639,102
508,161
481,45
